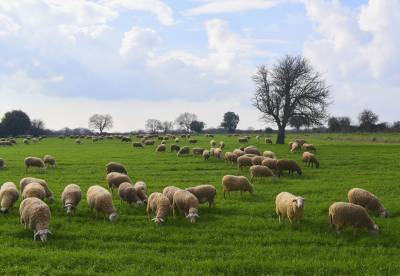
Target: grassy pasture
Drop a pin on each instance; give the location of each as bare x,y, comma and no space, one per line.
241,236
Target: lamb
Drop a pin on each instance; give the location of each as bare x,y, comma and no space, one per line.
238,152
161,148
198,151
206,154
269,154
218,153
49,161
270,163
8,196
232,183
160,205
127,192
34,189
33,162
231,157
169,192
268,141
260,171
183,151
204,193
310,158
35,215
290,205
342,214
71,196
25,181
213,143
257,160
187,203
100,199
367,200
114,179
243,161
288,165
2,164
175,148
252,150
115,167
309,147
137,145
141,190
295,147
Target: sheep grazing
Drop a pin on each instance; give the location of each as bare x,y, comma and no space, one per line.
187,203
141,190
169,192
26,141
288,165
163,142
290,205
192,141
149,142
309,147
252,150
78,141
243,161
295,147
310,159
35,215
198,151
290,145
137,145
127,192
176,140
175,148
367,200
161,148
342,214
34,189
25,181
206,154
260,171
231,157
270,163
115,167
49,161
159,205
232,183
300,141
114,179
100,199
204,193
183,151
212,151
8,196
269,154
218,153
213,143
221,145
242,140
257,160
33,162
70,197
268,141
238,152
2,164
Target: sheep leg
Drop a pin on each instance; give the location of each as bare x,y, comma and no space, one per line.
224,194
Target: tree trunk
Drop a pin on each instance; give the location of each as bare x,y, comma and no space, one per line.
281,135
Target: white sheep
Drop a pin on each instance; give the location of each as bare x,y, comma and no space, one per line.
187,203
114,179
260,171
368,200
127,192
232,183
295,147
35,215
49,161
25,181
206,154
160,205
34,189
100,199
169,192
204,193
141,190
8,196
252,150
244,161
71,196
310,159
287,204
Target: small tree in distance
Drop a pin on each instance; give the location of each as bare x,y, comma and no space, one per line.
197,126
167,126
100,122
153,125
367,119
230,121
37,127
185,119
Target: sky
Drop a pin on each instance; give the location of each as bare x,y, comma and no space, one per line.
62,61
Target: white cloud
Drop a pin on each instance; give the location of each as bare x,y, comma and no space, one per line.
139,43
227,6
7,26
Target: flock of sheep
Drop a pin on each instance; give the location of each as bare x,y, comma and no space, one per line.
35,213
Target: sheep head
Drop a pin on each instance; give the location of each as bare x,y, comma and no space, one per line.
113,217
192,215
42,234
158,221
298,202
69,208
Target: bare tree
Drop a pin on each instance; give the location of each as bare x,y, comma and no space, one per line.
368,120
185,119
37,127
153,125
167,126
100,122
291,88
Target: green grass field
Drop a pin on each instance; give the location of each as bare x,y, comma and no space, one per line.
240,236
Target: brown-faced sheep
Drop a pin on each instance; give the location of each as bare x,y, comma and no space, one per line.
160,205
288,165
35,215
206,154
187,203
100,199
287,204
310,159
169,192
367,200
70,197
8,196
25,181
114,179
204,193
33,162
252,150
175,148
342,214
115,167
243,161
141,190
127,192
183,151
49,161
260,171
232,183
